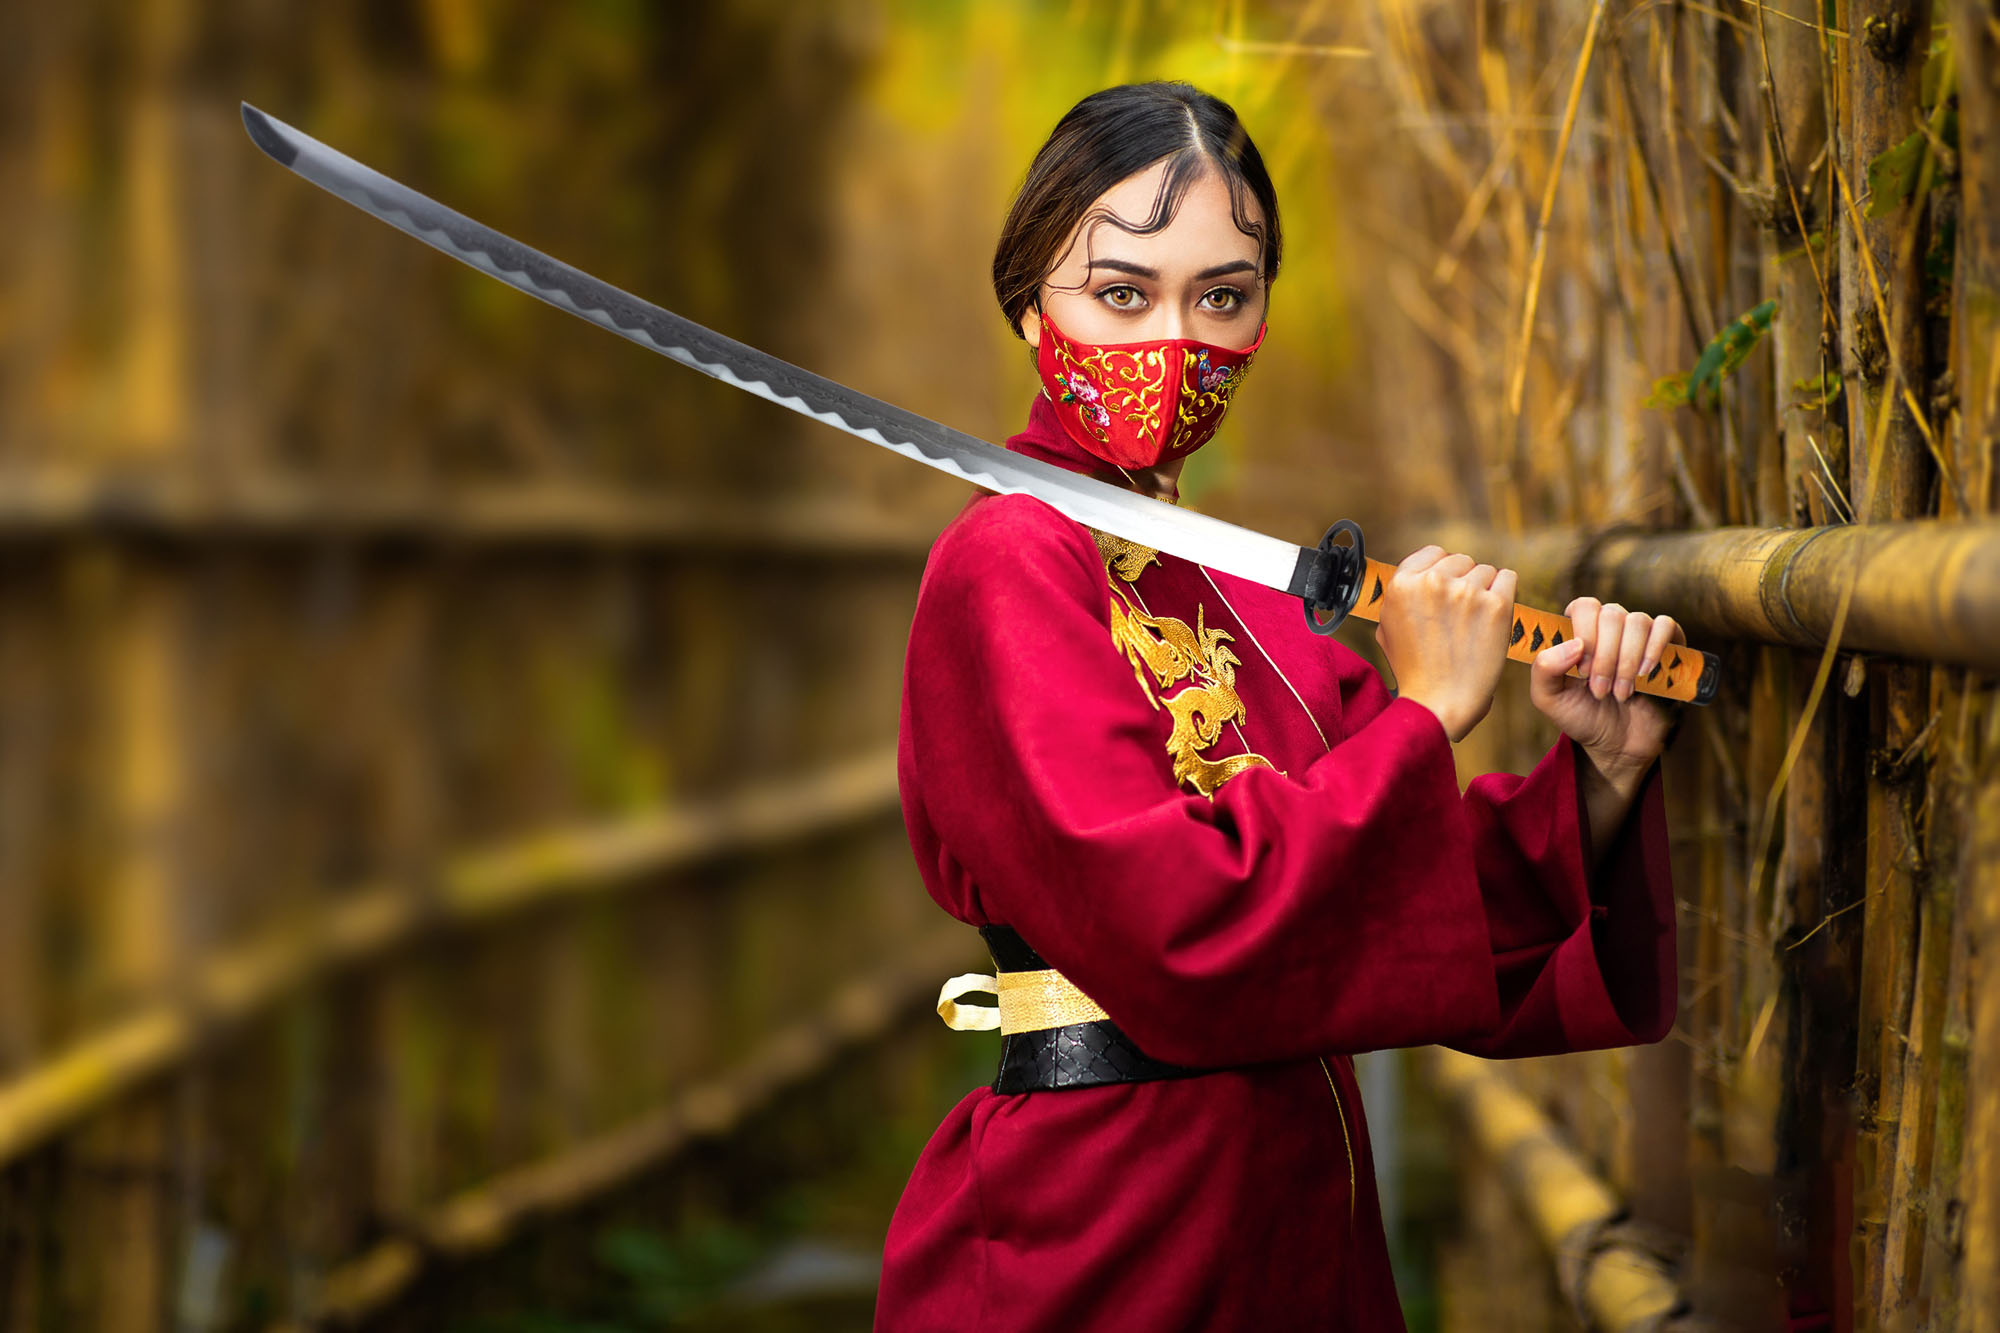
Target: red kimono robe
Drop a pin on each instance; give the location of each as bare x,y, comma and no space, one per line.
1064,707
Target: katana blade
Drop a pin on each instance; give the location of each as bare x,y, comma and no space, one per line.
1329,577
1155,523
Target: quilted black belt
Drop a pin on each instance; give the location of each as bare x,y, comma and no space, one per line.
1052,1035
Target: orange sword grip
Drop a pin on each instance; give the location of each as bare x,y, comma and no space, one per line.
1687,674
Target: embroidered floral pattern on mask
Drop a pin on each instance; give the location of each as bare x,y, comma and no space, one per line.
1164,652
1137,404
1081,390
1112,381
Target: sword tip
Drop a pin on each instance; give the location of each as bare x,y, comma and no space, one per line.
264,132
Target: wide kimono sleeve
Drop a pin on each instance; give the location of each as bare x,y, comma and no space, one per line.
1339,908
1583,959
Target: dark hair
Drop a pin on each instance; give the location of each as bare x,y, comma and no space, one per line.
1104,139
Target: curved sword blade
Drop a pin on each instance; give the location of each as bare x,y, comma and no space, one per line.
1197,537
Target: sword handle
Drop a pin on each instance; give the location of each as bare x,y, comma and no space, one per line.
1682,673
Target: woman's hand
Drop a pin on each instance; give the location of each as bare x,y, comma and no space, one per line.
1621,733
1444,631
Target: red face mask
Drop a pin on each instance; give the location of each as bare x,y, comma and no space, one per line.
1140,404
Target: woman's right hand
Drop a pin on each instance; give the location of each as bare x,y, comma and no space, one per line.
1444,628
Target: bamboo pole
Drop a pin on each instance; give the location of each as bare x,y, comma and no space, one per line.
119,1158
1938,1297
1618,1284
1880,261
1979,1297
46,505
1976,267
481,1218
1809,1001
1815,932
1806,323
1962,1271
1959,1287
369,922
1926,590
1910,1198
1813,995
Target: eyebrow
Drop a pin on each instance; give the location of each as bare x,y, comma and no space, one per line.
1141,271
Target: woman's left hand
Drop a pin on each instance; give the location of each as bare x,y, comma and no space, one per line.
1623,733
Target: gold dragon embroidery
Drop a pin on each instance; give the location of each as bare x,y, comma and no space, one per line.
1164,652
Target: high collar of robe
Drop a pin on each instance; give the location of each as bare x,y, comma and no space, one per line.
1045,438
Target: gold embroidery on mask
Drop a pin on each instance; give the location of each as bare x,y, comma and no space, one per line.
1131,386
1164,652
1205,394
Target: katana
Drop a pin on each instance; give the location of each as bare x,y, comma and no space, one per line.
1333,580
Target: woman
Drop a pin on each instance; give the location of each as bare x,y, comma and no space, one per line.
1210,852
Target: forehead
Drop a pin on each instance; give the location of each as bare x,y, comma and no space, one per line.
1204,224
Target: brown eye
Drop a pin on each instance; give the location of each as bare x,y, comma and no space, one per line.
1120,297
1231,299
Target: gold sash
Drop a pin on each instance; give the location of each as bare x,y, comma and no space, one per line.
1029,1002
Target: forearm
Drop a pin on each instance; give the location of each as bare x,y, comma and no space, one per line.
1606,797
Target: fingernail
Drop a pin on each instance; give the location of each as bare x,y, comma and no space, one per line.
1599,684
1624,690
1646,667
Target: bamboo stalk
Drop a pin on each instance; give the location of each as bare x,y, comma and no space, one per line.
366,923
481,1218
1805,310
1619,1285
1910,1198
1962,1271
1961,1278
46,505
1939,1294
1809,1011
1817,953
1925,590
1980,870
1976,266
1532,296
1883,71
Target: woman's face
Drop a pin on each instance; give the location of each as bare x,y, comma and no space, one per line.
1197,277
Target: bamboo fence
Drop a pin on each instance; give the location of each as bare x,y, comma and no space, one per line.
383,728
427,800
1696,311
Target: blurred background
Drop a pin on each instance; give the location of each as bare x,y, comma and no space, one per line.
450,868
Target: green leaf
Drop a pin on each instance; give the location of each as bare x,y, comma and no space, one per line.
1819,390
1728,350
1893,174
1815,242
1932,83
1669,393
1725,352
